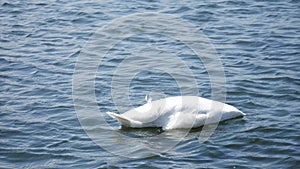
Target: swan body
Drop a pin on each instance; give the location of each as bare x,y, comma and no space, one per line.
177,112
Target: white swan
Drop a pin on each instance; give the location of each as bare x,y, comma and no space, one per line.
177,112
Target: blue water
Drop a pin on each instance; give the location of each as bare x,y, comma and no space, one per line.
258,43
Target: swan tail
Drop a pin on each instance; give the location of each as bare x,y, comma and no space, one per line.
122,120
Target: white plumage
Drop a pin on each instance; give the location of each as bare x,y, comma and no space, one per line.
177,112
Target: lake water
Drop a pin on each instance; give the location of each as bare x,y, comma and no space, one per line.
257,47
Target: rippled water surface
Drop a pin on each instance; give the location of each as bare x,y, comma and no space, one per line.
257,42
